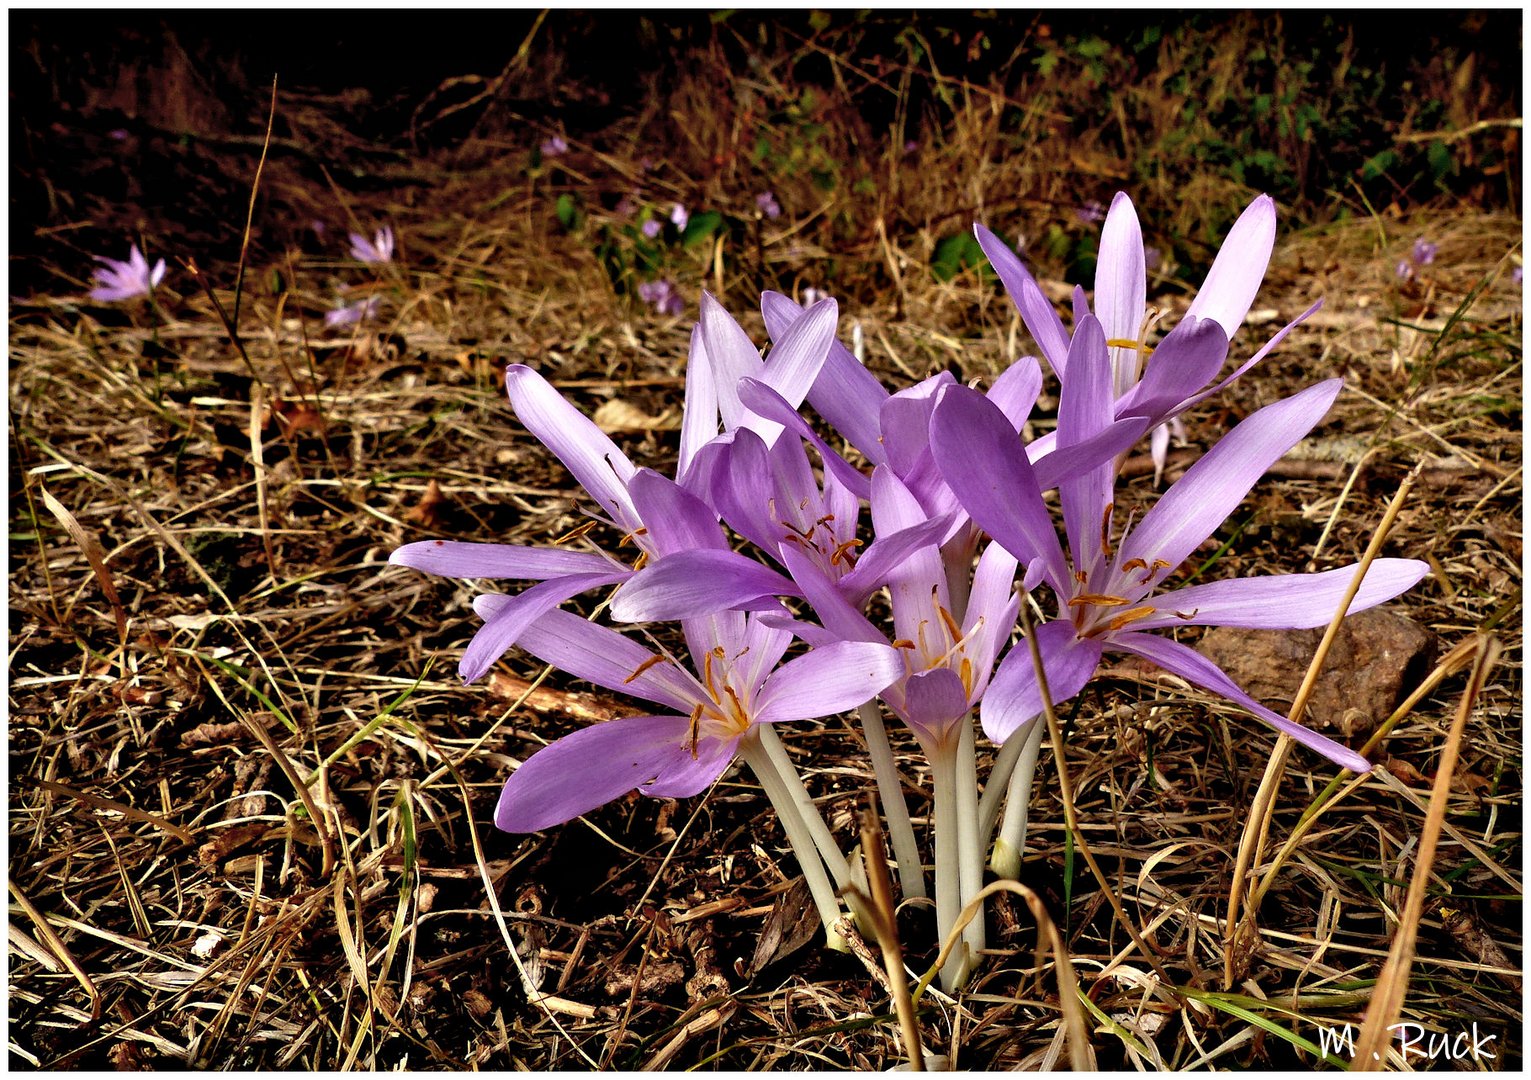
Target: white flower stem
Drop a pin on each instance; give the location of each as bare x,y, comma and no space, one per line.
890,791
808,858
943,761
970,842
792,784
994,787
1010,846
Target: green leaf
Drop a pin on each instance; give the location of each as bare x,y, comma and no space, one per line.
700,228
956,253
568,211
1378,165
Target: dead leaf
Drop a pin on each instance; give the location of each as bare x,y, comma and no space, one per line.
617,416
790,924
431,508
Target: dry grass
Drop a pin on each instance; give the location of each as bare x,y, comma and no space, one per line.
252,831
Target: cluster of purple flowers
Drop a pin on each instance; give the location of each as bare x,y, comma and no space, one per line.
946,519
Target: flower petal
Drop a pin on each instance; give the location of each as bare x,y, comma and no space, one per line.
1283,601
597,764
600,655
836,608
1182,364
799,353
456,559
675,519
1257,357
1085,409
982,460
699,411
596,462
1199,501
845,393
1016,390
733,356
1014,700
1121,288
690,584
1196,669
502,630
933,700
827,680
1236,273
1038,315
885,554
764,401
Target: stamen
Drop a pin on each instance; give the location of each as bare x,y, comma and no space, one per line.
1134,564
1081,577
1098,600
650,662
1105,530
1130,616
1187,615
740,718
965,673
1128,343
576,533
843,551
641,530
952,628
641,561
696,731
903,643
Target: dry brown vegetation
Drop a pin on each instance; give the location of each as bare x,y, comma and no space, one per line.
250,800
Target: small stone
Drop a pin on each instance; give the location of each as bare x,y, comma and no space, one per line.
1375,659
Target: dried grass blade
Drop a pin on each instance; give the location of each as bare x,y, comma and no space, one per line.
1257,825
56,945
131,812
1393,984
90,547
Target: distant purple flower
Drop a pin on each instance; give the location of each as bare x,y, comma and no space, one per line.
625,207
1404,270
651,228
354,312
377,250
1108,594
1517,274
912,146
554,147
1424,252
1090,212
318,228
118,134
768,205
679,215
125,280
1152,257
662,297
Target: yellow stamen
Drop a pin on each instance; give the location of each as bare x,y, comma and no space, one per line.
1128,343
965,673
1130,616
650,662
1098,600
1134,564
951,624
903,643
1105,530
696,731
843,551
577,532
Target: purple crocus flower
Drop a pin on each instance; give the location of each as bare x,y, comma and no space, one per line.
1423,253
554,147
651,228
1110,596
377,250
126,280
1090,212
661,296
1404,270
1121,305
354,312
657,515
704,716
1517,274
679,215
767,204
